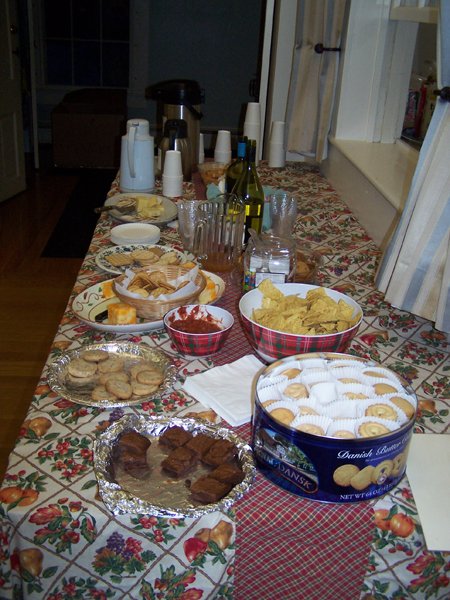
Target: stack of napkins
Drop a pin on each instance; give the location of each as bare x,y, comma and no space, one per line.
228,390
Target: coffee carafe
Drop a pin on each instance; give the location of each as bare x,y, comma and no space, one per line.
137,168
175,138
180,99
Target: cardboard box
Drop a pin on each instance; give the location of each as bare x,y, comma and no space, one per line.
87,127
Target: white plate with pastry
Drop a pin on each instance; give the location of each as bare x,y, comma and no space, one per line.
117,259
94,307
111,374
148,208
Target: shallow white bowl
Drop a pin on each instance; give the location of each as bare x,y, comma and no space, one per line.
135,233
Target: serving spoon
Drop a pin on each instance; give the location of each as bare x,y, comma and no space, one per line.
123,206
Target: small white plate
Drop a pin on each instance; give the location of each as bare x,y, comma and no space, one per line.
91,307
169,209
135,233
102,262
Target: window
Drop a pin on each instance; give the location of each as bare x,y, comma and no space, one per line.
86,42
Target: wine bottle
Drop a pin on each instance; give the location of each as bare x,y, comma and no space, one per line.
234,171
249,189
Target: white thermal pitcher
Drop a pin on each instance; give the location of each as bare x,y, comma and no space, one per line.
137,168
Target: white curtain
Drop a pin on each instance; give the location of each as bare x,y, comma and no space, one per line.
313,79
415,270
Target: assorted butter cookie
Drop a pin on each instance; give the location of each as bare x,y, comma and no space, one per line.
370,396
80,383
109,377
349,402
382,411
372,429
120,389
296,390
113,364
381,389
95,356
310,428
283,415
142,389
291,373
118,375
81,368
344,434
101,394
150,376
404,405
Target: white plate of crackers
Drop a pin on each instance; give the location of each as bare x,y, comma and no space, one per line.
111,374
117,259
91,305
148,208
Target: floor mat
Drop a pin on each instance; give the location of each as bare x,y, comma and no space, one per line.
73,232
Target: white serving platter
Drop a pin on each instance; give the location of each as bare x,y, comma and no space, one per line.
91,307
169,209
101,259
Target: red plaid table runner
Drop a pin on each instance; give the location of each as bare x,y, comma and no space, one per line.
324,547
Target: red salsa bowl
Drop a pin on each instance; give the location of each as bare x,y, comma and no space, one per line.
198,329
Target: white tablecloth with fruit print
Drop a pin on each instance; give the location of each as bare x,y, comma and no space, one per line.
58,541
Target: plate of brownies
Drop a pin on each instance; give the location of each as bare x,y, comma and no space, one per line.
171,467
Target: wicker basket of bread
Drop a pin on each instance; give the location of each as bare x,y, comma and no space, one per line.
154,291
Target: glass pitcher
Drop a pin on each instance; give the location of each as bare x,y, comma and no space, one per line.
218,241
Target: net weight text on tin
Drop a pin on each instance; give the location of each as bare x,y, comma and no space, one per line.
366,495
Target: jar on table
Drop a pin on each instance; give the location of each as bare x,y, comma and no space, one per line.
268,257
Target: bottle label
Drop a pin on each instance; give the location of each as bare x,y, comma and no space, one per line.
272,265
257,273
254,210
274,277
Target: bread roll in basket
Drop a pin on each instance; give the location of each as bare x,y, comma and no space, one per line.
154,309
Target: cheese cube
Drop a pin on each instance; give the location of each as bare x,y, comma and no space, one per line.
120,313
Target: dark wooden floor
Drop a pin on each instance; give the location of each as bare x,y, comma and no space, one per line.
33,292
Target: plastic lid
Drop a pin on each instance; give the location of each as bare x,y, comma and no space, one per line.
175,91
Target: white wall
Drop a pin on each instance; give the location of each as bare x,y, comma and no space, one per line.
216,43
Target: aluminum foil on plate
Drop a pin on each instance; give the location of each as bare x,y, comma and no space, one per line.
130,353
158,494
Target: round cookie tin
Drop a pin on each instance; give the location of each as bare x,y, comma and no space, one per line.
335,393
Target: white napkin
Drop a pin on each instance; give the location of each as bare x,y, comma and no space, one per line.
228,389
430,484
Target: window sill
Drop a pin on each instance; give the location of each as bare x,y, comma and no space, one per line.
388,167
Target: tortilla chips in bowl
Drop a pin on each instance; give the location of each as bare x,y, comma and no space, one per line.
293,318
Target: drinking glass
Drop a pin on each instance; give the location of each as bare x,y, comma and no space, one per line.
283,213
188,219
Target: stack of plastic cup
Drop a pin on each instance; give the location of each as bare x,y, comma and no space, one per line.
172,178
201,149
252,125
222,150
277,152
